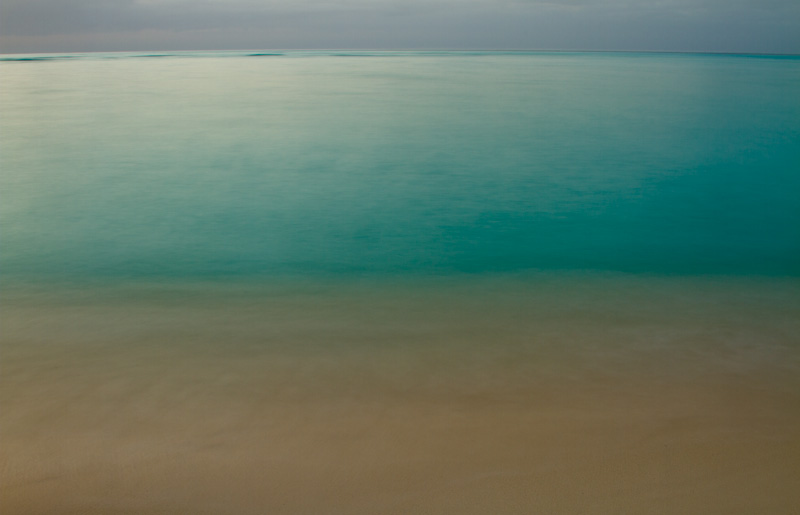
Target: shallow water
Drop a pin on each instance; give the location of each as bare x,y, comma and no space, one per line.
226,165
400,282
509,394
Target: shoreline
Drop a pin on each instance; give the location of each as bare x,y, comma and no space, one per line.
595,395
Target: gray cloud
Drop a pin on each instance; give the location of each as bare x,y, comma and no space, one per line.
682,25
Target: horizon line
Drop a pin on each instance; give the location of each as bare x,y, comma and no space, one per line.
542,50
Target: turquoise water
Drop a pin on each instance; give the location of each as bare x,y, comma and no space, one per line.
392,164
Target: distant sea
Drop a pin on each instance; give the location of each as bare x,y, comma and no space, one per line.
190,239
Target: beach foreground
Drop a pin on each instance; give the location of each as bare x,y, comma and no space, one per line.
551,394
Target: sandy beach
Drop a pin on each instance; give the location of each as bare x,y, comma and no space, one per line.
537,404
697,450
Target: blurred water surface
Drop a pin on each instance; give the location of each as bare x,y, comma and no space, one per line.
214,165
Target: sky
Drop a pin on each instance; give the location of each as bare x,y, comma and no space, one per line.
747,26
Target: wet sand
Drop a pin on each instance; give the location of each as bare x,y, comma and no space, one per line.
484,400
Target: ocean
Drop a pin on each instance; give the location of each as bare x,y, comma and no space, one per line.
400,282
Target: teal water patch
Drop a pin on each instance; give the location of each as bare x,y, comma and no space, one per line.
214,165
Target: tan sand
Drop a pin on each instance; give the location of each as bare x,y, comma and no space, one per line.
166,420
704,449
